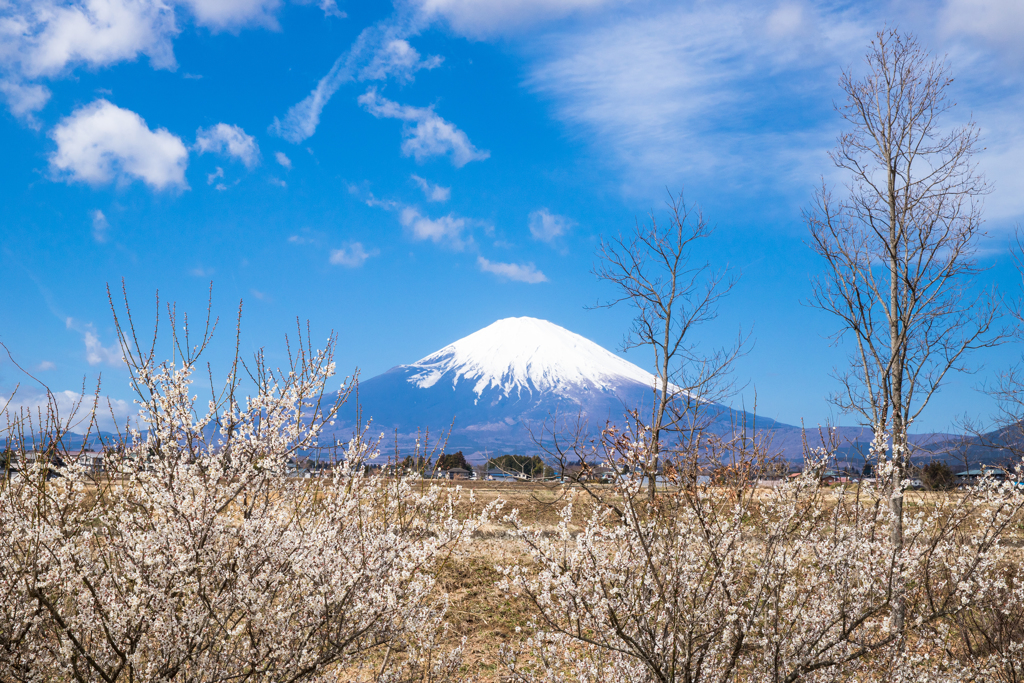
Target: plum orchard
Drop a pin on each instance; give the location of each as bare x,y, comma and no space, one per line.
792,583
192,557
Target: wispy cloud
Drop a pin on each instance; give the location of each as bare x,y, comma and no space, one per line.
485,18
520,272
548,227
283,159
369,199
230,141
448,229
994,23
379,52
95,352
307,236
100,226
231,15
352,255
24,100
397,59
328,7
713,90
425,133
101,142
432,192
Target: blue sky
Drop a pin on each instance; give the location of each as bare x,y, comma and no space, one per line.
405,174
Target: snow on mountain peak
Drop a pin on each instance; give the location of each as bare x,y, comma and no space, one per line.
516,355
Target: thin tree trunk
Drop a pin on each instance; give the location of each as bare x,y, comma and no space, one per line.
899,452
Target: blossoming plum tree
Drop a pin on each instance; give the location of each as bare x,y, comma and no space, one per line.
193,557
790,583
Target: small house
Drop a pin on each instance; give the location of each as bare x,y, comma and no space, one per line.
455,473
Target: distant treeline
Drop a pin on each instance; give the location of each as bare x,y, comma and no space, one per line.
448,461
531,466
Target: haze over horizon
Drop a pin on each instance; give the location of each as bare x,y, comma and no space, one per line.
407,173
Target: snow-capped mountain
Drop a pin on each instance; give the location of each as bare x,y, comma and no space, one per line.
499,384
496,385
523,357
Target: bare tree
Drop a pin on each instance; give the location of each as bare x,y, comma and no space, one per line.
899,248
654,271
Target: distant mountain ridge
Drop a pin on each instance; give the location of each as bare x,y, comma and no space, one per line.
492,386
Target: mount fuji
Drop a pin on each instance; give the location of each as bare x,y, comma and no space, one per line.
495,385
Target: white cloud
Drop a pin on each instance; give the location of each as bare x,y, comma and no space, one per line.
723,90
219,173
997,23
278,182
1001,162
398,59
302,118
101,142
71,404
426,134
370,200
520,272
351,255
379,52
100,226
433,193
446,229
48,38
449,230
231,15
24,100
483,18
230,141
328,7
308,236
45,37
547,227
46,365
96,353
283,159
